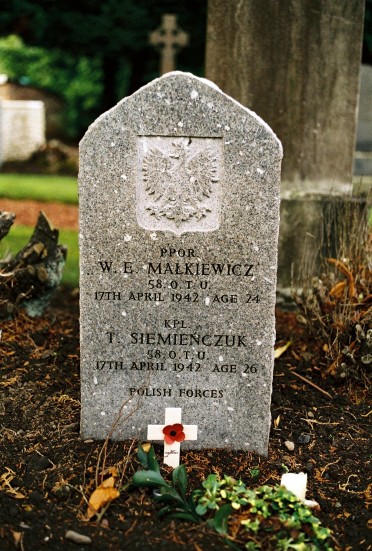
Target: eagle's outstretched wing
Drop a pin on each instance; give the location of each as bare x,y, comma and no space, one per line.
202,172
156,172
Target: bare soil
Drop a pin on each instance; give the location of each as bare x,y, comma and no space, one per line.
63,216
46,470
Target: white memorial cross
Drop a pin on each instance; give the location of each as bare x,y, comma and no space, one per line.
175,433
170,38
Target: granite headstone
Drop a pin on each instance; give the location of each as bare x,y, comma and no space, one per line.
179,217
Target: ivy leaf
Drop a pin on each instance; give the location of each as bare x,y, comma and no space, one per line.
201,509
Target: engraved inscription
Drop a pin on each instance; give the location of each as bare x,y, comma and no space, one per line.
178,186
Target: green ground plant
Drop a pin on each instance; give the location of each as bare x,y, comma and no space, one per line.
268,517
173,496
38,187
75,78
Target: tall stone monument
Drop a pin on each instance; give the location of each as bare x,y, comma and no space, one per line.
296,63
179,207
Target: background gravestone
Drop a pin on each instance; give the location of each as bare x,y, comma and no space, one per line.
22,129
363,155
179,202
295,63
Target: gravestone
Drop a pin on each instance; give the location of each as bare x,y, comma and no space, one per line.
169,38
296,63
179,202
363,154
22,129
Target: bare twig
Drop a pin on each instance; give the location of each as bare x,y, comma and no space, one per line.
311,384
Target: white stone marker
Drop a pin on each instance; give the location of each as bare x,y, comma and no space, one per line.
172,451
22,129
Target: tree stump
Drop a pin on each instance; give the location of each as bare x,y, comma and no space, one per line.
29,279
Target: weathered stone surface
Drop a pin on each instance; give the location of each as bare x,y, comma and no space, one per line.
296,63
179,203
363,155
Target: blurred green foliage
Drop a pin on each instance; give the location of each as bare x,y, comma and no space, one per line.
39,187
91,52
78,81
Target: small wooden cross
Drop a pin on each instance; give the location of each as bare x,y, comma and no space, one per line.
172,451
169,37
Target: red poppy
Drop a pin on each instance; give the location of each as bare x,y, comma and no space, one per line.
173,433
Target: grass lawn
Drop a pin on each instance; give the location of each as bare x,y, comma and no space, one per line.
39,187
19,236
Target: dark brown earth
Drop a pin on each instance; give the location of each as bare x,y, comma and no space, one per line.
47,472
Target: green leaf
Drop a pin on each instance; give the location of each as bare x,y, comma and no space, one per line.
221,518
201,509
179,477
167,493
165,510
152,461
142,456
148,478
185,516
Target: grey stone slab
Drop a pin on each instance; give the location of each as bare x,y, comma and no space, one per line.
179,217
298,68
364,127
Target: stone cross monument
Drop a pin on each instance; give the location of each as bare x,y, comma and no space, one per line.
169,38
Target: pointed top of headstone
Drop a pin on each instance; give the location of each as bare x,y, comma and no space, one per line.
187,92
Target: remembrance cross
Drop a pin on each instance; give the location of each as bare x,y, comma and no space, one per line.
172,433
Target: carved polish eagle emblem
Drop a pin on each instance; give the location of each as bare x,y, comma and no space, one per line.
179,179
